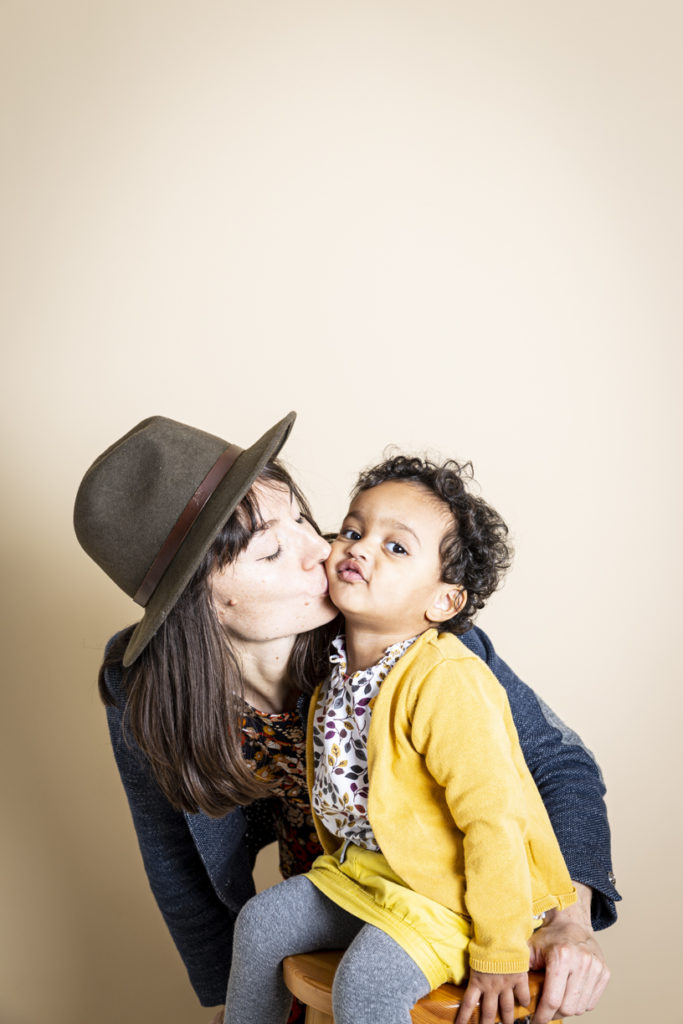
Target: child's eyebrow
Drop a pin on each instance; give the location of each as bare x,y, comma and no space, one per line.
397,525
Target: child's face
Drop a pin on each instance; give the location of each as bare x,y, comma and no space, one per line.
384,569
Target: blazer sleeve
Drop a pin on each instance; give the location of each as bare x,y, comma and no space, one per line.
568,779
200,924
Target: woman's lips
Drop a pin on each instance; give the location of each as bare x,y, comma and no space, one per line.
325,586
350,572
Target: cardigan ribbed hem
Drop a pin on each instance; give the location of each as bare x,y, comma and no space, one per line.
553,902
518,966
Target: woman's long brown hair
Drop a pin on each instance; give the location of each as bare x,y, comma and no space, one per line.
185,691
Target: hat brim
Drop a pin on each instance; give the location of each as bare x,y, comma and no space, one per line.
205,529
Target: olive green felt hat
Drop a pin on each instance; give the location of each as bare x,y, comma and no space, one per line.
151,505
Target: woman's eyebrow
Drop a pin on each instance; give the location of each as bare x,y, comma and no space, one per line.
265,525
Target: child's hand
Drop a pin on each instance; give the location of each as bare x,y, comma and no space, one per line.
494,992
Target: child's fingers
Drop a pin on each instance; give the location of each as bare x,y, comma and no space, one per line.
507,1006
521,990
469,1002
489,1007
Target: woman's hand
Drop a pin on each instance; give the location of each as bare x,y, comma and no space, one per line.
495,993
576,974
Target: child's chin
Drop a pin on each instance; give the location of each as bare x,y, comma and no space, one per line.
345,607
338,594
342,607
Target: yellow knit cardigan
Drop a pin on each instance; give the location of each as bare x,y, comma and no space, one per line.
452,804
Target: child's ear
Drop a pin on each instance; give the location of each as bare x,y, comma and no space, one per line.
447,603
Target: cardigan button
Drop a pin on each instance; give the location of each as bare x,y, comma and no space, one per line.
611,877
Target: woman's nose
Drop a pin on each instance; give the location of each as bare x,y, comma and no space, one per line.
317,550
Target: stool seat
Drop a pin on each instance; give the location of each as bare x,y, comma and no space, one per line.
309,976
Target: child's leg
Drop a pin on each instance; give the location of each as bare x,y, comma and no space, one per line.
292,917
376,981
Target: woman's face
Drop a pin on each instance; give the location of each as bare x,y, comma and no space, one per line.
277,587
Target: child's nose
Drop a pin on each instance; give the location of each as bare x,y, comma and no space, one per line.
358,548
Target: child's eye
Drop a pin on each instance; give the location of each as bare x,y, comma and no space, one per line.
396,548
349,534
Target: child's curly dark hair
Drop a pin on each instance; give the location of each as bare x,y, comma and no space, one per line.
475,553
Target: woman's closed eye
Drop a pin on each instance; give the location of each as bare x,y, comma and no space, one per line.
297,515
271,558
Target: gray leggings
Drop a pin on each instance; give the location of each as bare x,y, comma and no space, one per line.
376,981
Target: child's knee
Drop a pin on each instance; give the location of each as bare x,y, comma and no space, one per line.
376,980
253,920
268,926
359,990
347,987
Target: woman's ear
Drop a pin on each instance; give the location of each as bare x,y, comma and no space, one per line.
447,603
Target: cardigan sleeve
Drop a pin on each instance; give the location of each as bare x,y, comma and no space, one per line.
568,779
458,727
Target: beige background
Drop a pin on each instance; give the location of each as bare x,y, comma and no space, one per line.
438,224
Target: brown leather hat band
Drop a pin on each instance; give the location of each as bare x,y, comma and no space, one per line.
185,522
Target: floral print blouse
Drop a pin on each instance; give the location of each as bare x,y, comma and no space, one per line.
274,745
342,721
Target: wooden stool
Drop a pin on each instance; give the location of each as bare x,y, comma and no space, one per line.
309,977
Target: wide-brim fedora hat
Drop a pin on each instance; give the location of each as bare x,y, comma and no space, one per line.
150,507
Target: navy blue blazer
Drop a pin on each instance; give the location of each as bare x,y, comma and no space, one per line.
200,868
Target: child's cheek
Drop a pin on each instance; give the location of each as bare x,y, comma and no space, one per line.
333,557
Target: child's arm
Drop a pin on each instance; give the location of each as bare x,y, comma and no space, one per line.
568,780
461,725
493,993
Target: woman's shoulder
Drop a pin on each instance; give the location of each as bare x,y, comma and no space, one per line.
110,678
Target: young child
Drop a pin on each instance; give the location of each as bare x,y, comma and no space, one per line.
440,859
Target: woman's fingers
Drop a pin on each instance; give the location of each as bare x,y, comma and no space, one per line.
599,977
591,984
573,987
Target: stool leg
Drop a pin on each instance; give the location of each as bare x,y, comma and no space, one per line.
314,1016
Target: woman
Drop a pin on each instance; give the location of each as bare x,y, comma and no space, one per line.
205,696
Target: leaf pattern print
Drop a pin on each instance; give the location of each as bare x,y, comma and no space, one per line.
341,724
